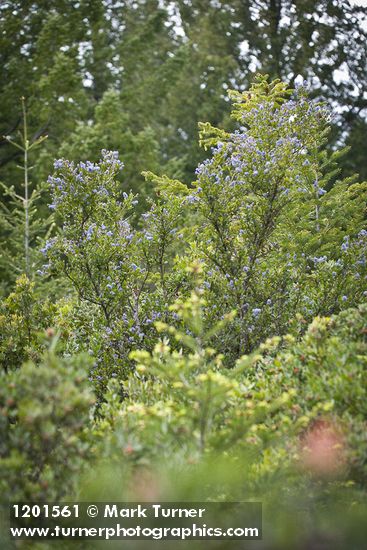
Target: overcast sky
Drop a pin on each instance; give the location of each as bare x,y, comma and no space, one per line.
358,2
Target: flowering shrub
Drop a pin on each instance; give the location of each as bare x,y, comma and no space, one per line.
286,425
184,403
194,403
84,195
223,328
121,274
279,238
267,209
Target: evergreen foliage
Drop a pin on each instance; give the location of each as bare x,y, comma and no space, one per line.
171,64
210,332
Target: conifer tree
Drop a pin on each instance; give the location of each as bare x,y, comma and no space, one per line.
21,224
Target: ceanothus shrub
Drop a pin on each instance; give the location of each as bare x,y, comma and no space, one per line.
182,402
122,275
267,207
280,239
93,248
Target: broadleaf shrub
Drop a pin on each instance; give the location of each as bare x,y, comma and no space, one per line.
327,367
279,237
44,414
227,319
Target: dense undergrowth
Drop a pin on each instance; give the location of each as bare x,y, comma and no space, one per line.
217,340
